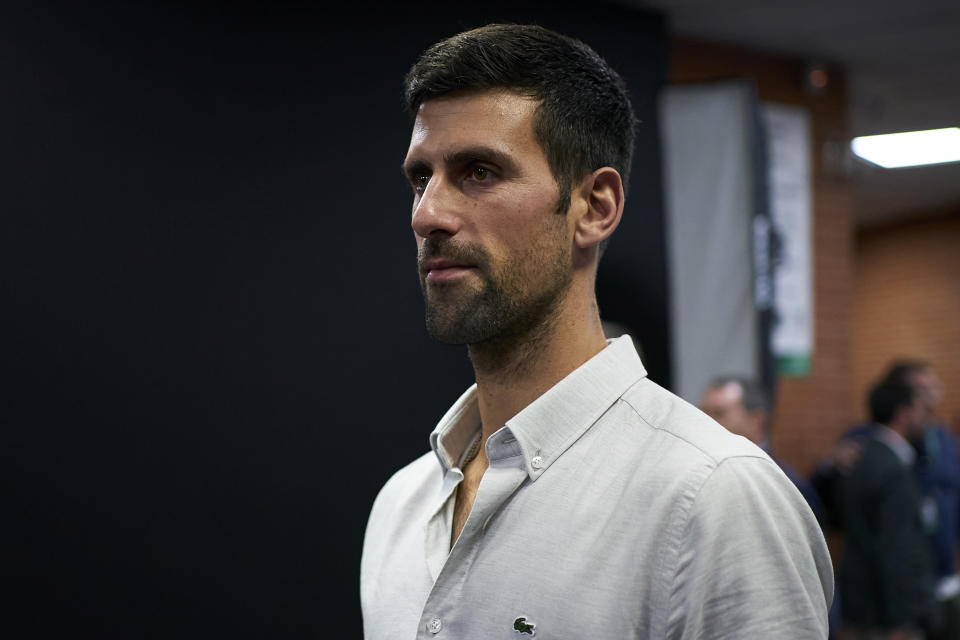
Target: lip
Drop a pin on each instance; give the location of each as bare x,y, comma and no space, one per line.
444,270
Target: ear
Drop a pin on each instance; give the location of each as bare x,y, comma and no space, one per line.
602,191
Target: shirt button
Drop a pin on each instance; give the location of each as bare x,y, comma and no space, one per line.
435,625
537,462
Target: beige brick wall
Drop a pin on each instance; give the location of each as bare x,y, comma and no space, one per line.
907,303
813,411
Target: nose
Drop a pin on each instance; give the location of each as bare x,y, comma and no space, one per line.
436,210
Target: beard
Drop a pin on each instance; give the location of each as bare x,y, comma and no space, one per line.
498,302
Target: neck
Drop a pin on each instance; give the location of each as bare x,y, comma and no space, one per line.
513,371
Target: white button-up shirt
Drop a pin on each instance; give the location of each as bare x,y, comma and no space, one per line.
610,509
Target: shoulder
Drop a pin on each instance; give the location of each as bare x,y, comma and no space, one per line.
803,484
878,456
752,560
714,476
739,524
945,437
859,432
688,428
687,451
403,498
878,470
405,495
752,486
409,483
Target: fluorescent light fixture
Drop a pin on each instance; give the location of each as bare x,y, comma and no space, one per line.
910,149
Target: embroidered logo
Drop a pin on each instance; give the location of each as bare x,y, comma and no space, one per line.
521,625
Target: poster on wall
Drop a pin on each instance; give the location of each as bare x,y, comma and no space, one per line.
787,130
710,181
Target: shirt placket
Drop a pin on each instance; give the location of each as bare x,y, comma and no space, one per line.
443,614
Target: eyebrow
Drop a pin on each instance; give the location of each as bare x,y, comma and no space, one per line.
462,157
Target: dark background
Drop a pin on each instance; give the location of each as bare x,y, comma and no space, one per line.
214,343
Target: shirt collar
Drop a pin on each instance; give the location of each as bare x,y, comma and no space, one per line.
456,429
554,421
903,449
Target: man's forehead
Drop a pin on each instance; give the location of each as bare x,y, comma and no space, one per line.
502,100
499,120
926,375
475,115
730,391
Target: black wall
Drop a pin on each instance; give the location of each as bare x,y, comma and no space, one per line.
214,349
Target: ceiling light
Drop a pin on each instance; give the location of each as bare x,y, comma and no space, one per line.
910,149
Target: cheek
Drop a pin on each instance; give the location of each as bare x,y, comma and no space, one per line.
523,222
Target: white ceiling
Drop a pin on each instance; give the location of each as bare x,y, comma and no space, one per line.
903,68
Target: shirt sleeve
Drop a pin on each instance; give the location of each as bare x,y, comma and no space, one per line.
753,562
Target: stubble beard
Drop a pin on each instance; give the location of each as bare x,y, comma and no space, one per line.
512,302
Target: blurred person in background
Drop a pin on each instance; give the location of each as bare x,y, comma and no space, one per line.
742,406
886,580
937,473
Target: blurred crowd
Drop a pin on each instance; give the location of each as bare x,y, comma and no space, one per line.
889,492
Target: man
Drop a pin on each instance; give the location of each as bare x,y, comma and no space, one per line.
566,495
937,469
886,583
741,406
937,472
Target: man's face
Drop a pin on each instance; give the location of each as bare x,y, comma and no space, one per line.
724,404
494,257
929,391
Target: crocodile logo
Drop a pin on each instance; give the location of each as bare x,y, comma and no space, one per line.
521,625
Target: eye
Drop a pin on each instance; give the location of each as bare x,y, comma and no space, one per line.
419,181
480,173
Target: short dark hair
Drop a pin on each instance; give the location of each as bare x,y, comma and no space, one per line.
754,395
887,397
900,370
584,120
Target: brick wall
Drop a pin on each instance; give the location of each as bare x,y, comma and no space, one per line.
907,303
812,411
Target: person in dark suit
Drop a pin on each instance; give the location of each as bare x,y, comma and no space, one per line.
937,471
886,579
